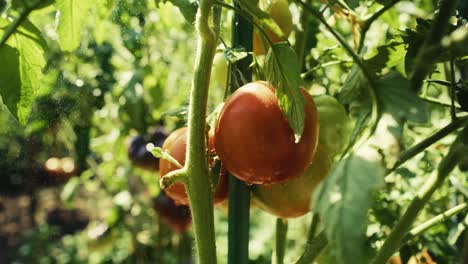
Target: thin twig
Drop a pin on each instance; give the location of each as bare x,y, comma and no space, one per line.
425,57
367,74
418,148
436,220
14,26
313,248
368,23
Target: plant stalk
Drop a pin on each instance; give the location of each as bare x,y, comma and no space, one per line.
418,148
313,248
425,58
239,193
281,238
436,220
198,185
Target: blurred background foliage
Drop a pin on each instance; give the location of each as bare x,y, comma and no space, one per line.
130,73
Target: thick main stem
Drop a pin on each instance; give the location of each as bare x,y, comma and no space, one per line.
198,184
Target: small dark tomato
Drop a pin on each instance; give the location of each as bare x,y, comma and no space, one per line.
138,153
174,215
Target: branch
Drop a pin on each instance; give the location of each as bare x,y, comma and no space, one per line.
425,57
313,248
368,23
356,59
436,220
418,148
172,177
396,237
14,26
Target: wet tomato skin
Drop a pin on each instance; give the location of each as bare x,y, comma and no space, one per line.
254,140
176,144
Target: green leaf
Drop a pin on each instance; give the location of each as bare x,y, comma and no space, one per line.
187,8
355,92
343,201
69,190
282,71
388,56
72,15
261,17
398,99
9,124
22,78
354,86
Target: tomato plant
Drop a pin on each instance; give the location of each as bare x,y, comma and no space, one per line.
80,79
176,145
254,140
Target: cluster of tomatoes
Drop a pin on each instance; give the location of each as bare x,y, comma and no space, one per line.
255,143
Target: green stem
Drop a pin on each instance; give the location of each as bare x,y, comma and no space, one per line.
198,185
239,193
425,57
396,237
453,113
313,248
23,16
281,238
367,74
368,23
313,226
301,38
418,148
436,220
437,102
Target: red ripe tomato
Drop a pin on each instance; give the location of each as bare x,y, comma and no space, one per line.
176,144
253,138
292,198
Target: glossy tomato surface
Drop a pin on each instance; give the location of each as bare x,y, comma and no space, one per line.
176,144
292,198
254,140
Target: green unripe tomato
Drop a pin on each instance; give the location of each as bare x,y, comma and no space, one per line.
220,68
292,198
335,125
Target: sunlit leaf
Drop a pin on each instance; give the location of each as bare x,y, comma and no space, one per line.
283,72
20,81
72,15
